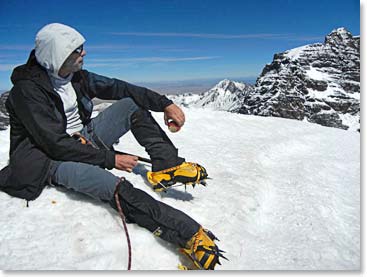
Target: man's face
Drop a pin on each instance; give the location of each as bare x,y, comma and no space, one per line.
73,63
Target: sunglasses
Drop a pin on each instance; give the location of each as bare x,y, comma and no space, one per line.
79,50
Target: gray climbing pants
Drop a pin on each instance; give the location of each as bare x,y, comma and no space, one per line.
89,179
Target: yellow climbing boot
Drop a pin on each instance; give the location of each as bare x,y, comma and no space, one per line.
186,173
202,250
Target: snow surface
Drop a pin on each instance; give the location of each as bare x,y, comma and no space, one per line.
285,195
317,74
295,53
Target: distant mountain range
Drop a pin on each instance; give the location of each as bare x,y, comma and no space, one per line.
193,86
319,83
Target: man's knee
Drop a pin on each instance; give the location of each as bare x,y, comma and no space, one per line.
140,115
128,104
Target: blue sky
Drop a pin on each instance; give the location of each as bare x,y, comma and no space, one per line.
173,40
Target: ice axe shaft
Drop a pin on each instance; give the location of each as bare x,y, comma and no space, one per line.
139,158
83,140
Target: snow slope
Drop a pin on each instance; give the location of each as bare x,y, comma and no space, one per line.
285,195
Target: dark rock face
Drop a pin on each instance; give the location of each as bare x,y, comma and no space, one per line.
318,82
4,117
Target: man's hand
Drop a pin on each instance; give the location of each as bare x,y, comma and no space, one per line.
174,113
125,162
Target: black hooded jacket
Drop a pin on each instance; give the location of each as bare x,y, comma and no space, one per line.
38,124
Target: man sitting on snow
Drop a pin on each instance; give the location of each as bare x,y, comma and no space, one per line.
50,104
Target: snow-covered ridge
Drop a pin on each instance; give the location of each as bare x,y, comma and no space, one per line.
227,95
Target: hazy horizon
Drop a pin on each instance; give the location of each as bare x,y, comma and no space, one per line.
185,86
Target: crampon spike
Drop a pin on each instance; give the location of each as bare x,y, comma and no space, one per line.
220,255
211,235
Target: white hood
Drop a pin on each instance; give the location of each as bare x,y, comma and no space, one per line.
54,43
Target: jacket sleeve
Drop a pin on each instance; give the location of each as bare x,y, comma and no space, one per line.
36,113
114,89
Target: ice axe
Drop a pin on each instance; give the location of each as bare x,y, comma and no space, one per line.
83,140
139,158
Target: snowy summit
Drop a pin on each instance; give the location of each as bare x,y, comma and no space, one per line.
318,82
227,95
284,195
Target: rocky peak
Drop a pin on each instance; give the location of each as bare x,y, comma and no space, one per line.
229,86
226,85
317,82
227,95
341,37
